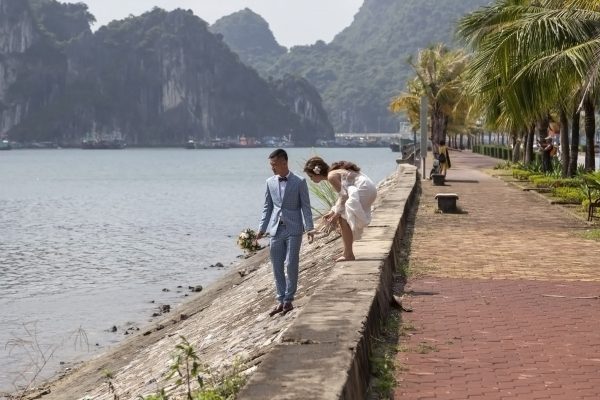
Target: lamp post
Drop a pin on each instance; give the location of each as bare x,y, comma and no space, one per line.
423,116
416,162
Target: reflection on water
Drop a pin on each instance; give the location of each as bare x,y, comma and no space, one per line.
89,238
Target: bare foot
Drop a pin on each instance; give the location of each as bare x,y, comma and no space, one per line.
343,258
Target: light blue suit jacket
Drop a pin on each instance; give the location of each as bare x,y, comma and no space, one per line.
292,209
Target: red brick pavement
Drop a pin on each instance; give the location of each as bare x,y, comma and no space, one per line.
493,317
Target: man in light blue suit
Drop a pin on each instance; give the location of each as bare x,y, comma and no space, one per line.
286,216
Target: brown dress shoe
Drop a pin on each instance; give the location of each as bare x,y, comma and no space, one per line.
287,307
276,310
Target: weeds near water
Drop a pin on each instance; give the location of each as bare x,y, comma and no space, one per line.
108,378
186,366
161,395
199,381
38,355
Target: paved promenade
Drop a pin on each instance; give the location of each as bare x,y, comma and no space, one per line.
505,296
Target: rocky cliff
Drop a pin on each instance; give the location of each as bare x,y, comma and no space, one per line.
22,65
155,79
249,36
365,65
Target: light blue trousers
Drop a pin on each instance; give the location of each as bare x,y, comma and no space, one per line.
285,254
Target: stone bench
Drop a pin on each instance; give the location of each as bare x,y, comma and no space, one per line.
446,202
438,179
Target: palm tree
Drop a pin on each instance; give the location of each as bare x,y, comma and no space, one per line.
438,76
540,54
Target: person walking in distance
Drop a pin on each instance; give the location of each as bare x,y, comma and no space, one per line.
286,216
443,157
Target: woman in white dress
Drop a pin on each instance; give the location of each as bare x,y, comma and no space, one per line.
356,194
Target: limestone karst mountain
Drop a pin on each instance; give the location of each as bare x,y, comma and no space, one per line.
156,79
365,64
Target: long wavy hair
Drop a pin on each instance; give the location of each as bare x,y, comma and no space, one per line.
347,165
316,166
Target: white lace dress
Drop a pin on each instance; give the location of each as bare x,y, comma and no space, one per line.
355,200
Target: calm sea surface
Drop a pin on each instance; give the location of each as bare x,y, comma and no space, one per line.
89,238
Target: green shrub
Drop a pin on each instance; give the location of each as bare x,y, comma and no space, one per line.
543,182
585,204
521,174
594,175
550,181
580,170
503,165
568,182
571,194
533,177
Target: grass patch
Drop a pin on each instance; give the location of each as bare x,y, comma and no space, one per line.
404,270
570,194
406,328
402,348
425,348
504,165
521,174
383,358
592,234
419,270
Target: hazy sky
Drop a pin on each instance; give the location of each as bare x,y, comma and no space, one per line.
293,22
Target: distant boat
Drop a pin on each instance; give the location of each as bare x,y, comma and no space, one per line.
44,145
5,145
190,144
103,144
213,144
113,142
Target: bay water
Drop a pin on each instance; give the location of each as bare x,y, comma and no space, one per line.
96,239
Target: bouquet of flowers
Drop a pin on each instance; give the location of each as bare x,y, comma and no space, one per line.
247,241
326,227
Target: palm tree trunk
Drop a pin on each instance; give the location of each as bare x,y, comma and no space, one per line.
542,128
564,144
574,143
516,154
529,145
590,133
439,123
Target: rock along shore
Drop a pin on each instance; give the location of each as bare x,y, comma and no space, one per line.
317,351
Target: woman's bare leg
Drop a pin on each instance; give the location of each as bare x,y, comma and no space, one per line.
347,239
444,169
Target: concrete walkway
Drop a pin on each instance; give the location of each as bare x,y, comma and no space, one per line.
505,296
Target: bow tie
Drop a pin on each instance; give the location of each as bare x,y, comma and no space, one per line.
283,179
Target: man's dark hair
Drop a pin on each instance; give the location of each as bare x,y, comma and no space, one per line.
279,153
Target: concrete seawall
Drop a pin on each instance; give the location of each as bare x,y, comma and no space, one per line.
325,352
318,351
